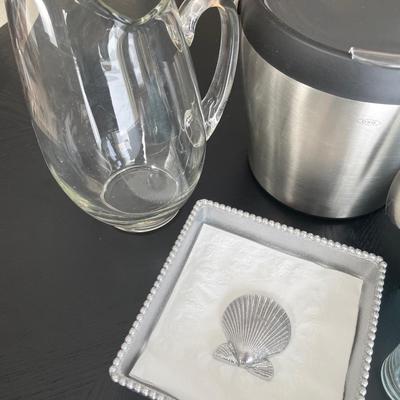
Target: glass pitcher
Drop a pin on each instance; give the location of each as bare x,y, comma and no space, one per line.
115,103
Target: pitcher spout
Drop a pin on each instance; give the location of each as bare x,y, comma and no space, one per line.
127,11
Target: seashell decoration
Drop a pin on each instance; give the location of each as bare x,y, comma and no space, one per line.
256,328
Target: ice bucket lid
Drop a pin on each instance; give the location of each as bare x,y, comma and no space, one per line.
347,48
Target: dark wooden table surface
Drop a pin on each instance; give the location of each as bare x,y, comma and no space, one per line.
70,287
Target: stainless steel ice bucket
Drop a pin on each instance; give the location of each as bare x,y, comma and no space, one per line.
325,124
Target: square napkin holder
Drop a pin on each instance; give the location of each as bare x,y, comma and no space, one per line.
368,267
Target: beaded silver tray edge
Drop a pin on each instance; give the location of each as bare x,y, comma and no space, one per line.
366,266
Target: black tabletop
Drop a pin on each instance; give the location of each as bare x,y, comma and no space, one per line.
70,286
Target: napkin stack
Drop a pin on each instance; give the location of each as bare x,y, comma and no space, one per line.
322,305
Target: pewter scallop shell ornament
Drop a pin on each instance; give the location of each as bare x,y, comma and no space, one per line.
256,328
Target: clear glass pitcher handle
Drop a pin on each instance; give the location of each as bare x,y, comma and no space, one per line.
216,98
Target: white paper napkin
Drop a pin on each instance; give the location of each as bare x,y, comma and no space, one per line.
322,305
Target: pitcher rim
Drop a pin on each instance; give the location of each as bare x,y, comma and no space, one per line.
162,4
